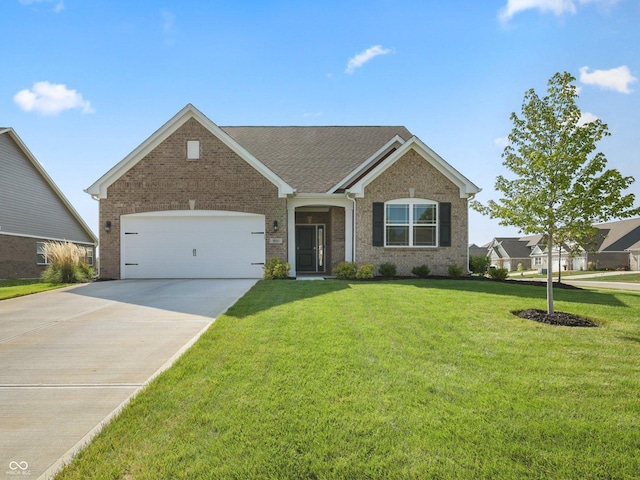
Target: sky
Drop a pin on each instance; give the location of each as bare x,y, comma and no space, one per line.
83,83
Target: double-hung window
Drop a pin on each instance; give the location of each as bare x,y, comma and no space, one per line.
411,223
40,256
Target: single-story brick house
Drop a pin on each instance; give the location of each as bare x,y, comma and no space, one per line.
196,200
33,211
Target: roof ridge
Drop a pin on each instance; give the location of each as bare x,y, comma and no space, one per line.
312,126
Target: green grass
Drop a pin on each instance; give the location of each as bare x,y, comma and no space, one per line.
18,288
424,379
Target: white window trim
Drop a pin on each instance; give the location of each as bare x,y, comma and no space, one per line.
89,256
411,202
39,252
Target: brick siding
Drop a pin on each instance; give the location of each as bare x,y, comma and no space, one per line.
413,171
18,258
165,180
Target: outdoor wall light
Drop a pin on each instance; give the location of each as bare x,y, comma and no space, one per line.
107,226
275,225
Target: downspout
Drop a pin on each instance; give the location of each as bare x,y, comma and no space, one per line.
354,236
469,198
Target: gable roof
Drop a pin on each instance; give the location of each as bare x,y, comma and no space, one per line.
24,213
513,247
99,188
619,236
315,159
466,187
477,251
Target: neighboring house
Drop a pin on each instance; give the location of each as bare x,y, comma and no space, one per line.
32,211
509,252
476,251
616,247
196,200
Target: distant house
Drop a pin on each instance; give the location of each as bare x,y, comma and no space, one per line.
476,251
616,247
509,252
32,211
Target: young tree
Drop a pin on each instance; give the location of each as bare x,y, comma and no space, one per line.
562,186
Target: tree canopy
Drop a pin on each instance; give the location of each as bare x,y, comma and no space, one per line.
561,186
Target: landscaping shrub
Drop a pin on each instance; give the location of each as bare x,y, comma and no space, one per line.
455,271
276,268
65,263
345,270
388,269
479,264
365,272
499,274
422,271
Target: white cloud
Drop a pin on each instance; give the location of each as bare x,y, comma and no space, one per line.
168,21
363,57
617,79
50,99
587,117
501,142
59,6
557,7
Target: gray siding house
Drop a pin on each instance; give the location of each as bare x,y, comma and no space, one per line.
32,211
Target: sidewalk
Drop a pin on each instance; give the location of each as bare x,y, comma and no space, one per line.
579,280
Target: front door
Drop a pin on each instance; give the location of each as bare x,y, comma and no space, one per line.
306,248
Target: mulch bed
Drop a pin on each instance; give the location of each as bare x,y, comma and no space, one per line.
556,318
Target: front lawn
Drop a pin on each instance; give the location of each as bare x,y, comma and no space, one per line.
18,288
387,380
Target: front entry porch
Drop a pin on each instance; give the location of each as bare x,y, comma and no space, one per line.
322,234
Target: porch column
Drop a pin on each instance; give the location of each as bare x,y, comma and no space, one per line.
348,234
291,239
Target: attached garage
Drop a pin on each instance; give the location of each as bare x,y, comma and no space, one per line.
192,244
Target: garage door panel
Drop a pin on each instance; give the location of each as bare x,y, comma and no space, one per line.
198,246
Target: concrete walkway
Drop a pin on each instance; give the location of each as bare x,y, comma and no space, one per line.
70,359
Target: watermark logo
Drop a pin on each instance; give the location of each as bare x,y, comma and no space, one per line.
18,468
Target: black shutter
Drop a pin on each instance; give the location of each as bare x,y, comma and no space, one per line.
378,224
444,218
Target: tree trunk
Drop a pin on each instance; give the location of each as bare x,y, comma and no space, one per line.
549,276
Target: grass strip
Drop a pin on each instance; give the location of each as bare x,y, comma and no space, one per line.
18,288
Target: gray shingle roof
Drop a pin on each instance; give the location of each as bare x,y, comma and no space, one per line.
620,235
314,159
515,247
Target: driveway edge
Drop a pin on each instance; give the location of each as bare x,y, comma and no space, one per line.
84,441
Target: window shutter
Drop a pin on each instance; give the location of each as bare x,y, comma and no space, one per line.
378,224
444,218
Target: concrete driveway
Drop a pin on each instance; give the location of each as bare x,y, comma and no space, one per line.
70,359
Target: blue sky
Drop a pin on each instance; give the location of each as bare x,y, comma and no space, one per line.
85,82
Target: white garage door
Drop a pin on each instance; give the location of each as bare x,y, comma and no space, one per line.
192,244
